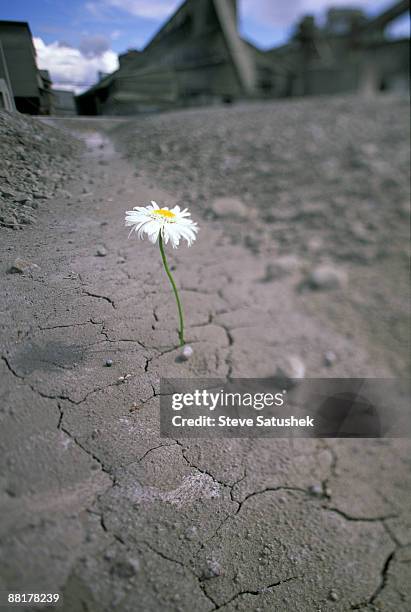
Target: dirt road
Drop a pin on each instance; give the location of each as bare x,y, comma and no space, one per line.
96,505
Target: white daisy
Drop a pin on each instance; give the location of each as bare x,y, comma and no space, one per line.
151,220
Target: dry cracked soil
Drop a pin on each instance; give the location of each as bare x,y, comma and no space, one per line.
95,504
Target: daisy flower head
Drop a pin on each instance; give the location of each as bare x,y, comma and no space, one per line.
171,224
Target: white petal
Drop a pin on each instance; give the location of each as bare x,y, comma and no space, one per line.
143,221
165,233
174,234
154,236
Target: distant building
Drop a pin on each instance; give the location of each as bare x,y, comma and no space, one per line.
30,88
64,103
18,66
351,53
6,99
46,93
198,57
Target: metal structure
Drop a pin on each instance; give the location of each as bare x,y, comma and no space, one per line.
18,66
351,53
23,86
197,57
64,104
6,99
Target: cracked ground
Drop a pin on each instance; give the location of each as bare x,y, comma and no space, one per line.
95,504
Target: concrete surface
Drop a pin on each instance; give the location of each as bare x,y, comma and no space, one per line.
96,505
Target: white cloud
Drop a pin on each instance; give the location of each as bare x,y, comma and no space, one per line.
69,68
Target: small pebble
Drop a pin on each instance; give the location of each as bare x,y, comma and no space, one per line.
330,358
186,353
23,266
101,251
316,490
290,368
125,568
327,277
333,596
109,363
231,207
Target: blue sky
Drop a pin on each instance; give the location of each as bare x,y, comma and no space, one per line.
76,38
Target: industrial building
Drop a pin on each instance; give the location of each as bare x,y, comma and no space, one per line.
23,86
64,103
198,57
18,67
350,53
46,93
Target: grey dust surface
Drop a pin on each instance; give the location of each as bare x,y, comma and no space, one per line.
301,262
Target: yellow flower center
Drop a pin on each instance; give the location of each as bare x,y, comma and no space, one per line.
163,212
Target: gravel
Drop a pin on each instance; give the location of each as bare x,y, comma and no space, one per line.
327,277
36,160
291,367
23,266
229,208
314,176
213,520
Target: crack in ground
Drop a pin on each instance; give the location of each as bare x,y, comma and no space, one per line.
65,397
358,519
186,567
150,450
157,355
32,387
100,297
70,325
221,484
380,587
104,332
86,450
258,592
224,521
161,554
94,295
270,489
203,471
230,515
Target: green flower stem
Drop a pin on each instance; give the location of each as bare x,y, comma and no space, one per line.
180,309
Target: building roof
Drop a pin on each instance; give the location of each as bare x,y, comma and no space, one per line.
22,24
15,23
20,57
